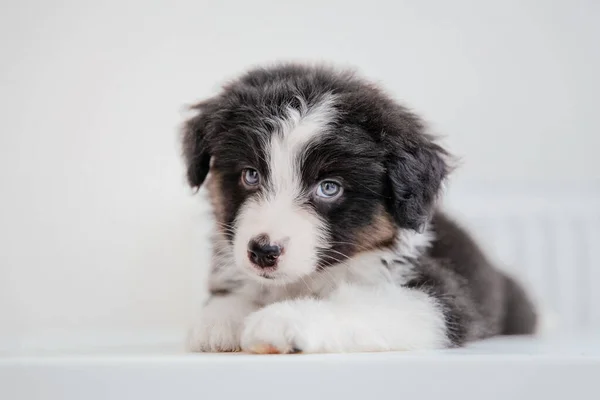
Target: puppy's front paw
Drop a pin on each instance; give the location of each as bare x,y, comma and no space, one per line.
219,326
283,328
213,334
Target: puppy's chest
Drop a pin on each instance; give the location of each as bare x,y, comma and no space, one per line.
374,270
315,286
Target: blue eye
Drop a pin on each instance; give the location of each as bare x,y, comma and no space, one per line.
250,177
329,189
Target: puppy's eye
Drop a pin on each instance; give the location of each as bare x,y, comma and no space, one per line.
250,177
329,190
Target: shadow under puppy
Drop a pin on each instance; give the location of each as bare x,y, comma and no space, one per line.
328,238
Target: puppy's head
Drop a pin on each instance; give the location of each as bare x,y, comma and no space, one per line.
308,167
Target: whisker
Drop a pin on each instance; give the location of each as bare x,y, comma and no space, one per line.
306,284
361,247
373,191
331,278
336,261
346,257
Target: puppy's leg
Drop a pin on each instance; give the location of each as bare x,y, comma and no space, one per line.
218,327
352,319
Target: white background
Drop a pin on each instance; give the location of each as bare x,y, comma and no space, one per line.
98,232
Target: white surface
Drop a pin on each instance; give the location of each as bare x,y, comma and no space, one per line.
502,368
98,231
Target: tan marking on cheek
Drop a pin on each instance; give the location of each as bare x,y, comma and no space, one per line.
380,232
215,195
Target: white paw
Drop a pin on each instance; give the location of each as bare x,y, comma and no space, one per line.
287,327
209,334
353,320
219,326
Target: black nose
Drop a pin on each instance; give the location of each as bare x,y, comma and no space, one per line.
262,253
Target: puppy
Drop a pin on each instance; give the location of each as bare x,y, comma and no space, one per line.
328,238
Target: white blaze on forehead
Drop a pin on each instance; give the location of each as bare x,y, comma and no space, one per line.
295,130
276,212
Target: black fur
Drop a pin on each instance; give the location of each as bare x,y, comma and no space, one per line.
386,160
384,155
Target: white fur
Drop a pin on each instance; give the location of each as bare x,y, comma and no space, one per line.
412,243
354,306
276,213
219,325
352,319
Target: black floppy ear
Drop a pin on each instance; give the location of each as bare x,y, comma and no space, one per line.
415,173
196,152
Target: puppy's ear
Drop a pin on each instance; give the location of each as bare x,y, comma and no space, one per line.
195,141
416,168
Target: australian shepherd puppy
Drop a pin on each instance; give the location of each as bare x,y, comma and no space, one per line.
328,238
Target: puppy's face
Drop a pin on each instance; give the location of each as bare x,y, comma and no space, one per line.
309,167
